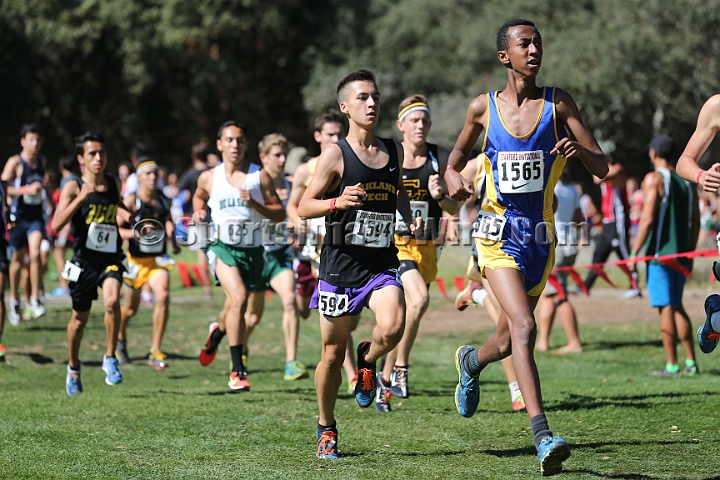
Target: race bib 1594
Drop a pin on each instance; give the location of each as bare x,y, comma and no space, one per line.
373,229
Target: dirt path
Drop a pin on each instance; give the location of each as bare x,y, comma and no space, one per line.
603,306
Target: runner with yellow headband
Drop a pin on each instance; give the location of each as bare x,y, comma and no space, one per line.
148,260
424,163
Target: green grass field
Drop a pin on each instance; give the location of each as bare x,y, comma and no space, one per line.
185,423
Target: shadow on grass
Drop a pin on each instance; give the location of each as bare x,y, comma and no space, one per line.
628,476
517,452
38,358
585,402
625,344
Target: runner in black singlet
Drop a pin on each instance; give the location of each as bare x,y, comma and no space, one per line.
355,186
92,204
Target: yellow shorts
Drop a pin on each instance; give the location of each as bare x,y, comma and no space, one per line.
424,256
146,268
473,271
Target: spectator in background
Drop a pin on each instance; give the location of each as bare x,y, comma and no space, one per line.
567,211
614,236
708,223
125,169
132,185
172,193
668,225
187,186
635,198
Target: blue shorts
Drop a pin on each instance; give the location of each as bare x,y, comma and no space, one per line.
336,302
23,228
665,285
527,245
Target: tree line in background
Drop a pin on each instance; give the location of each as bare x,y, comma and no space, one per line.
168,72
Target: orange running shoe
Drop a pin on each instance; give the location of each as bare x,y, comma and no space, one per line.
239,381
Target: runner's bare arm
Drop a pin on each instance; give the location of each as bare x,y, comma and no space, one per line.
651,190
296,193
328,172
124,228
202,195
71,197
708,125
170,234
447,203
9,174
272,208
584,146
459,188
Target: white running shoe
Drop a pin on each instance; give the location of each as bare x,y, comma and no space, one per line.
14,315
38,308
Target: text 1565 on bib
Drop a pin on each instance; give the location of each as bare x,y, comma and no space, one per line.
521,172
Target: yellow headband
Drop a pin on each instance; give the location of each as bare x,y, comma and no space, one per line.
146,165
413,107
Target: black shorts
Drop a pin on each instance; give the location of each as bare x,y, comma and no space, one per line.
407,265
84,291
4,265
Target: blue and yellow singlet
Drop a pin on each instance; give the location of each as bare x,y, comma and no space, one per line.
516,226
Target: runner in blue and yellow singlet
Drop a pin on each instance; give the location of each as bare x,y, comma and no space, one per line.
526,147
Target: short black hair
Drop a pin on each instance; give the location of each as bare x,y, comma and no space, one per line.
30,128
362,75
69,163
231,123
502,35
87,137
139,150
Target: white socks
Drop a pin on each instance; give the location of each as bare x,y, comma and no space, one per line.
514,390
479,296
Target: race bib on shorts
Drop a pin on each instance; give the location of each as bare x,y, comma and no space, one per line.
238,233
131,270
164,261
33,199
489,226
333,304
102,238
373,229
71,272
520,172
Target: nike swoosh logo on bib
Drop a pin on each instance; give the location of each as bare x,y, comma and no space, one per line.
515,187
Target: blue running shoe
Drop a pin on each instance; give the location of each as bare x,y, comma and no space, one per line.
366,385
112,370
467,392
552,451
73,384
707,337
327,444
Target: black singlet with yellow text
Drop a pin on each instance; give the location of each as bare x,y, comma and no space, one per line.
99,208
345,262
422,204
160,211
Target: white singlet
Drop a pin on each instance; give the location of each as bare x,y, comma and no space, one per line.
237,225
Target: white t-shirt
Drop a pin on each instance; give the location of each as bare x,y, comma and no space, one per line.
568,201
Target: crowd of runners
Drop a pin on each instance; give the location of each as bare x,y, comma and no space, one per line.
362,226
